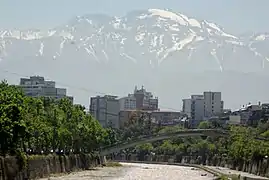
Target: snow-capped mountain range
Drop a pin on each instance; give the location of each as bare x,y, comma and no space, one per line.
153,36
152,40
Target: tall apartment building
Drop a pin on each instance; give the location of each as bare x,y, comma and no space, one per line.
199,107
36,86
106,110
194,109
213,103
127,103
145,100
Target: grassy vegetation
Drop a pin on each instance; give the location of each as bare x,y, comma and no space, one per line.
113,164
230,177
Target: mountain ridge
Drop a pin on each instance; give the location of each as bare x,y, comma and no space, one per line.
184,32
154,43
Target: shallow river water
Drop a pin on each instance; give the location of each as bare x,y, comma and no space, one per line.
130,171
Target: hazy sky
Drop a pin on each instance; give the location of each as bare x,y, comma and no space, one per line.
238,16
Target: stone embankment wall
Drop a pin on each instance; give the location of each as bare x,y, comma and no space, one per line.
260,168
33,167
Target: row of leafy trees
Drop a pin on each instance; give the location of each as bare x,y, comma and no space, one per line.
43,125
240,145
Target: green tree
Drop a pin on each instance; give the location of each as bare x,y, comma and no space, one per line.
12,125
204,125
45,124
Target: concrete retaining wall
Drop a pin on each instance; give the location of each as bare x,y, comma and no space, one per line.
43,166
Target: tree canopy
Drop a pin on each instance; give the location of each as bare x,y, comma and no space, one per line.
45,124
240,145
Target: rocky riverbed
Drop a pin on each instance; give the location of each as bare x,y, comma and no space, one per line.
134,171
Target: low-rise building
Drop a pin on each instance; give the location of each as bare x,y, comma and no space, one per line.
128,117
250,115
162,118
166,117
234,120
265,112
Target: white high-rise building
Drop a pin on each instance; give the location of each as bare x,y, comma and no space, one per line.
199,107
194,109
37,86
213,103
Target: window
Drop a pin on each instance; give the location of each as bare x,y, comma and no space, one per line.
166,114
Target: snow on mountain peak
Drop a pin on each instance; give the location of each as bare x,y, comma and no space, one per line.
261,37
218,30
180,18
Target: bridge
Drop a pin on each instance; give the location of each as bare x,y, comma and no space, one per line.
150,138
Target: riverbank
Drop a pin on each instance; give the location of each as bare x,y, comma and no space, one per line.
33,167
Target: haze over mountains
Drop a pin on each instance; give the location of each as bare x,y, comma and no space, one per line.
169,53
